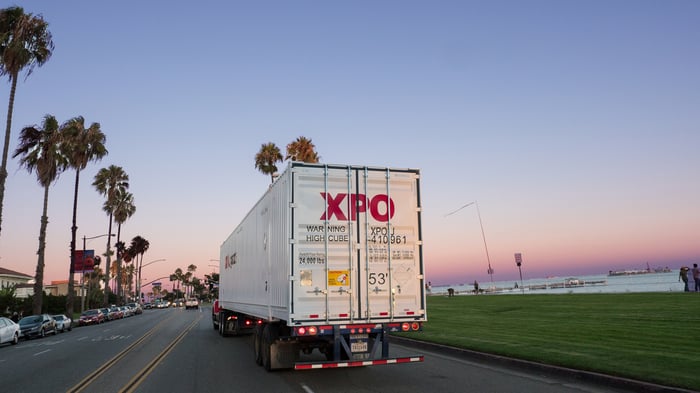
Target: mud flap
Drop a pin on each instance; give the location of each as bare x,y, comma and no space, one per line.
284,354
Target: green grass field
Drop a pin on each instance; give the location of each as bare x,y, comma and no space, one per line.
653,337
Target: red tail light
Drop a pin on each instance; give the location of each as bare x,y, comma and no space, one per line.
307,331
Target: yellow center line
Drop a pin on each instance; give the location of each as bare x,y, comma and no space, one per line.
100,370
141,376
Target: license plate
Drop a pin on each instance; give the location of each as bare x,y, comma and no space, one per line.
358,342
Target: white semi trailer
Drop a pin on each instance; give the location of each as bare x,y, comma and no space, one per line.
329,258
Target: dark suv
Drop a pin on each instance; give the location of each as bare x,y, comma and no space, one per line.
37,326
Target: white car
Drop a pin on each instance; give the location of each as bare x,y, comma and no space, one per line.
63,323
9,331
191,303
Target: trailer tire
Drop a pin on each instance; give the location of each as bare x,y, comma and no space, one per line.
257,344
236,331
222,324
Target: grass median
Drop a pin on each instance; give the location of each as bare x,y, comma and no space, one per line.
652,337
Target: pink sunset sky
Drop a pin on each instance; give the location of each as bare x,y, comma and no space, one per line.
580,144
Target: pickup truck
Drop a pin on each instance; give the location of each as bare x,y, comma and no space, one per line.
191,303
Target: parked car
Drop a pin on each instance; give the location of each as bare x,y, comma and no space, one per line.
37,326
126,311
91,317
63,323
135,307
115,313
9,331
109,316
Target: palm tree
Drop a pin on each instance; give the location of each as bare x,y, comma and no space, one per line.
197,287
93,285
124,209
178,277
129,255
120,246
83,146
212,281
266,159
302,149
139,246
25,42
186,282
190,270
108,182
40,151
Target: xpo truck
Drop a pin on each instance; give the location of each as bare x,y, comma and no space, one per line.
330,258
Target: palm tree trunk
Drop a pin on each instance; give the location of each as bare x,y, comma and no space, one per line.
120,290
138,280
39,277
107,271
6,147
70,297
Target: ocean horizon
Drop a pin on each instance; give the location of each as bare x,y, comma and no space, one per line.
598,283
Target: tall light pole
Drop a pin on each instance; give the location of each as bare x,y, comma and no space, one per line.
138,279
488,259
83,291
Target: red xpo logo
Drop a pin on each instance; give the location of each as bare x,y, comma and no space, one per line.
358,203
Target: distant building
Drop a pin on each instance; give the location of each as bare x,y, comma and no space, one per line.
23,283
23,291
56,288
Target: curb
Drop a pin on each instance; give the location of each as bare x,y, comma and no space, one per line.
604,379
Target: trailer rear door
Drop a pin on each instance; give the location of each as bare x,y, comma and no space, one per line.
356,250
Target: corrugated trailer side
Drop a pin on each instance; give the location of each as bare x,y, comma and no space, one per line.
254,273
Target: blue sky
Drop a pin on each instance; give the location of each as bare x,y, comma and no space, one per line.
575,125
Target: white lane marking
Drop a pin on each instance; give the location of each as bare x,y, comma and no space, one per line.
306,388
41,353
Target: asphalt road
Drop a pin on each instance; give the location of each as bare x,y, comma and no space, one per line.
177,350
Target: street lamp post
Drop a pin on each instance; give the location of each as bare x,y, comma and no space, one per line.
138,279
83,290
488,259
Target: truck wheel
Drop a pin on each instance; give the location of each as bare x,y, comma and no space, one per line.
222,324
257,344
236,330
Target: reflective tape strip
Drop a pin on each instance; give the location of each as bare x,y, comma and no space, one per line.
359,363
